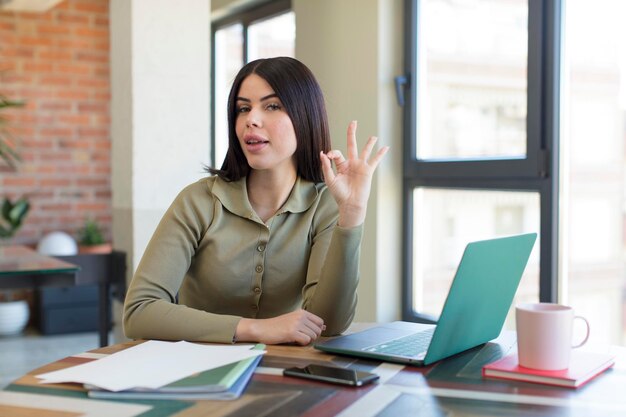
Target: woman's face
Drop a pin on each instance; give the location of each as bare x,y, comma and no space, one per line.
264,129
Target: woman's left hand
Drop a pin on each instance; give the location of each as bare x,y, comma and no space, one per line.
350,185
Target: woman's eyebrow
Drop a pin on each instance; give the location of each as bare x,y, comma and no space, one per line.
267,97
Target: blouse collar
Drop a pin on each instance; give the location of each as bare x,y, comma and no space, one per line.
234,196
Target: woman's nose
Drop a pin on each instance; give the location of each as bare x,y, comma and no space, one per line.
253,119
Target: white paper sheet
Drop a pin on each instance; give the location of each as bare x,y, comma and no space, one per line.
152,364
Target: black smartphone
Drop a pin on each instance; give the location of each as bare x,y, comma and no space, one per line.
332,374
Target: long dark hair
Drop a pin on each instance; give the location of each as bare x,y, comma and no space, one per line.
302,98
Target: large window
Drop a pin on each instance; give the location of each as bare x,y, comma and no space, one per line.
516,122
479,133
262,32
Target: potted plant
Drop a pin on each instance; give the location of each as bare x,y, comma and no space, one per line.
14,311
14,306
12,213
91,239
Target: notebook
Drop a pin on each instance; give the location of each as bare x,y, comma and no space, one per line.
474,311
185,391
584,366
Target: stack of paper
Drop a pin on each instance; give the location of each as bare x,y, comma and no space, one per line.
166,370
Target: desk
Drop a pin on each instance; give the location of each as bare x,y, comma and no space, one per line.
22,267
452,387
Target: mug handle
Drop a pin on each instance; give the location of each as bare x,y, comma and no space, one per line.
586,336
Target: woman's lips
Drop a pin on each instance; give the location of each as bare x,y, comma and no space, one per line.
255,143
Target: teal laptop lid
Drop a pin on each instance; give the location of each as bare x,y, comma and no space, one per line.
474,312
480,295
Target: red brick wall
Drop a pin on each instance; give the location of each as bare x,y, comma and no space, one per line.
58,62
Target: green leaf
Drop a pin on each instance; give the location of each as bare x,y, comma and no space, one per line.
6,103
8,154
18,212
6,208
13,214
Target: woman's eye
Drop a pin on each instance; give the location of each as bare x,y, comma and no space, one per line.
273,106
243,109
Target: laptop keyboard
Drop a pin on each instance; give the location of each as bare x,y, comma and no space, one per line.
410,346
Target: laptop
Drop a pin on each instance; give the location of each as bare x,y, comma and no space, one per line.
474,312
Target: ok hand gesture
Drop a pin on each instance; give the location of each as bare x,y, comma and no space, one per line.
350,185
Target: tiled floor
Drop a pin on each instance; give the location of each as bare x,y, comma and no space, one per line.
20,354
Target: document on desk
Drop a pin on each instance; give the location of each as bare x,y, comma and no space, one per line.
152,364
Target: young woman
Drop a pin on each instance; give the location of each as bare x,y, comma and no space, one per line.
267,249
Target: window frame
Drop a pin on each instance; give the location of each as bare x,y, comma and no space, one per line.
538,172
246,17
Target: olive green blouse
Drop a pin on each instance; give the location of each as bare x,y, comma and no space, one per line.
212,261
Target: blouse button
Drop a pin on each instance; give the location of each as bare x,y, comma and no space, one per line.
259,268
260,248
257,290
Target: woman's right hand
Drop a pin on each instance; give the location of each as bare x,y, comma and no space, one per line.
299,327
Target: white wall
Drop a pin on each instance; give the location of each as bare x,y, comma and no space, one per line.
354,47
160,111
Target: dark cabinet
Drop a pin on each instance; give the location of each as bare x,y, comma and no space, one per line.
86,306
69,309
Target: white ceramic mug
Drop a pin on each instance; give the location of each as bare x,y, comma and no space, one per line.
544,335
